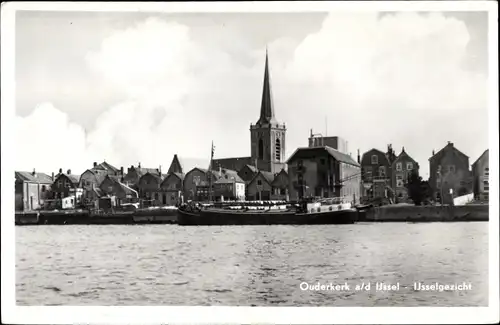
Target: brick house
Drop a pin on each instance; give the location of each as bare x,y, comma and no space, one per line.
481,176
112,186
402,167
171,189
149,188
376,177
260,187
31,190
65,184
280,186
449,172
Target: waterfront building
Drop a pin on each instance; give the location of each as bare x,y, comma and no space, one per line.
260,187
92,178
279,186
377,173
267,137
149,189
229,186
31,190
449,171
196,184
481,176
402,167
323,172
172,188
66,184
111,186
135,173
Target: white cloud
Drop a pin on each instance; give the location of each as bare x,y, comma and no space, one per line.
396,79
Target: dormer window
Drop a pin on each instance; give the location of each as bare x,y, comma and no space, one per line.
374,159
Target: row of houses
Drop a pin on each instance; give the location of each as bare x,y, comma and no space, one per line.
384,174
317,170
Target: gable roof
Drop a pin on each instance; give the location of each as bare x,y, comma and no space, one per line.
75,179
277,178
267,176
376,150
40,178
178,175
175,165
225,173
335,154
128,190
108,167
449,146
480,157
403,154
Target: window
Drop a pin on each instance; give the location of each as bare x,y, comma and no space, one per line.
259,182
43,188
399,167
196,180
374,159
439,168
261,149
409,166
487,171
59,184
278,150
381,170
399,177
486,185
451,168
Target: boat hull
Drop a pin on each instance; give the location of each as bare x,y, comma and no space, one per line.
222,218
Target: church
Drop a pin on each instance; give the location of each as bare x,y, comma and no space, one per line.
267,137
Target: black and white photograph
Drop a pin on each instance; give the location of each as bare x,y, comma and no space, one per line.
252,154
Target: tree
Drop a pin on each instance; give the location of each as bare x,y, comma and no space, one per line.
416,188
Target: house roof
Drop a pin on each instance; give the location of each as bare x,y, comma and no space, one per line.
40,178
252,168
267,176
128,190
335,154
107,166
377,150
228,174
449,145
403,154
276,178
480,157
75,179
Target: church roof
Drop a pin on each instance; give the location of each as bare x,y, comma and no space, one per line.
267,105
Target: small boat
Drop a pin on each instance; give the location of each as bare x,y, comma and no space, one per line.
323,211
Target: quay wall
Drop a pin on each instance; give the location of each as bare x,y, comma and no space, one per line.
84,217
411,213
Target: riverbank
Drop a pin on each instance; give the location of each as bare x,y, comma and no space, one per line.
390,213
79,217
412,213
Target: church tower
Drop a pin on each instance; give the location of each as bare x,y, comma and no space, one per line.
268,136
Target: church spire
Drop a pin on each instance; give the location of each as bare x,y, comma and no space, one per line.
267,106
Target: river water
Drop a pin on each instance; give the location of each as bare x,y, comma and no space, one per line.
151,265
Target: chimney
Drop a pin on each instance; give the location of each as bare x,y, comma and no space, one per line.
52,176
403,149
433,153
34,172
95,164
69,171
139,165
359,158
121,170
450,143
60,170
159,169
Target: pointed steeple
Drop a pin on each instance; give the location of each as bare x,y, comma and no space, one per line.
267,106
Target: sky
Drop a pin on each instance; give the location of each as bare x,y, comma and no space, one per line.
141,87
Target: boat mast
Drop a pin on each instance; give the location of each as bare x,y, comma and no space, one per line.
210,173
